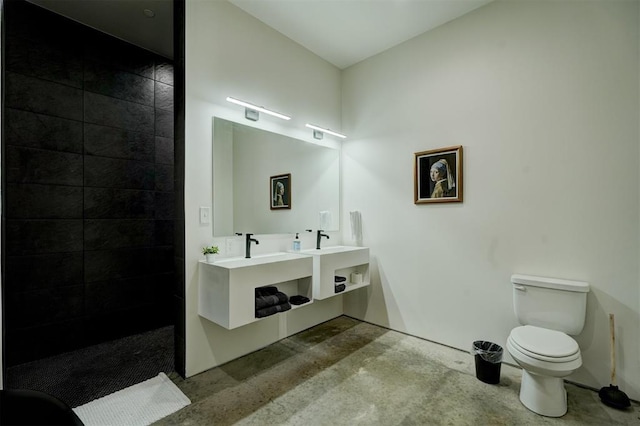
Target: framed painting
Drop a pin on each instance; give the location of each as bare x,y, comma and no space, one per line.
280,187
438,176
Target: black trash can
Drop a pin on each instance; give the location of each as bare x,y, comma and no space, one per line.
488,357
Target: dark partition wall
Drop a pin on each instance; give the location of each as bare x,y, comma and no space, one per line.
179,30
88,178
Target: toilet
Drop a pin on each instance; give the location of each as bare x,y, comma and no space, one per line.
550,310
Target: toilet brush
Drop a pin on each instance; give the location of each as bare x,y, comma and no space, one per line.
611,395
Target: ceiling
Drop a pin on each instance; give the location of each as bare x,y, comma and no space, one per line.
343,32
124,19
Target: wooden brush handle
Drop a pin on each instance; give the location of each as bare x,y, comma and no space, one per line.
613,348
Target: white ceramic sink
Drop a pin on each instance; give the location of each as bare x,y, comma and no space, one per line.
332,250
242,262
337,260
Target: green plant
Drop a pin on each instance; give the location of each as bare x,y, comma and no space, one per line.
210,250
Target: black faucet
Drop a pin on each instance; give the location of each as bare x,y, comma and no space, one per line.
247,249
318,237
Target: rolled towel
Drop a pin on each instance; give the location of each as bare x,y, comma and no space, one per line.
340,279
271,300
340,287
298,300
272,310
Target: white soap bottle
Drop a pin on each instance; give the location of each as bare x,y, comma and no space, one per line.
296,243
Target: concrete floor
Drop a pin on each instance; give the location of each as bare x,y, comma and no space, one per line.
347,372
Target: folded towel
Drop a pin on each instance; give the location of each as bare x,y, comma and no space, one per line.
271,310
340,288
266,291
340,279
298,300
271,300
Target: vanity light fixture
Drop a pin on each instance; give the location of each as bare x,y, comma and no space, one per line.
252,112
318,132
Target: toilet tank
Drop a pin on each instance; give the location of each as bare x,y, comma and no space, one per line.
551,303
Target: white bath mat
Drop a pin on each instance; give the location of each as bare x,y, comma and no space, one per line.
140,404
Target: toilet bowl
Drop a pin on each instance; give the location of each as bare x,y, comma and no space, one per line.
546,357
550,310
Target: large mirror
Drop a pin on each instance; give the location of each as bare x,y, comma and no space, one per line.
249,164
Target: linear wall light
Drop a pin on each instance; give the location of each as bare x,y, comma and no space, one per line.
252,112
318,132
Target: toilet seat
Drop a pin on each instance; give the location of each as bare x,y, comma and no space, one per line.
544,344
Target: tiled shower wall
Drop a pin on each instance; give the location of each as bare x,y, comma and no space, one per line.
88,175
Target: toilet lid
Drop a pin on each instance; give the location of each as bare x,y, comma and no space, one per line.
544,342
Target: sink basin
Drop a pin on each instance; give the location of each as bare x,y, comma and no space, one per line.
241,262
226,293
332,250
337,260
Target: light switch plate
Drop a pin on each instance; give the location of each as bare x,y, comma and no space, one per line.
205,215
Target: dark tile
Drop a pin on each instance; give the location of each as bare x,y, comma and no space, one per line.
42,341
111,203
117,143
37,60
115,295
44,97
179,153
178,241
105,265
180,326
165,205
162,260
28,129
179,200
107,111
103,234
112,173
26,165
164,72
45,306
29,237
178,284
99,78
164,150
164,123
163,233
164,177
125,322
164,96
118,54
30,201
33,272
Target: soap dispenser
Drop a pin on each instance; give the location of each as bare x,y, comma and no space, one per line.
296,243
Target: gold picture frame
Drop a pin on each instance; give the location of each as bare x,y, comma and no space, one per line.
438,176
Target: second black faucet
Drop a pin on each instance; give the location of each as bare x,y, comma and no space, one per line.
319,237
247,247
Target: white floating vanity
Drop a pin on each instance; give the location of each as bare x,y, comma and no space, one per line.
344,261
227,286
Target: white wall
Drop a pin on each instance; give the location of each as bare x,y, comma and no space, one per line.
229,53
544,98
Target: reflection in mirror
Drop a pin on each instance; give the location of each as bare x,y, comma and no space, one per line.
244,161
